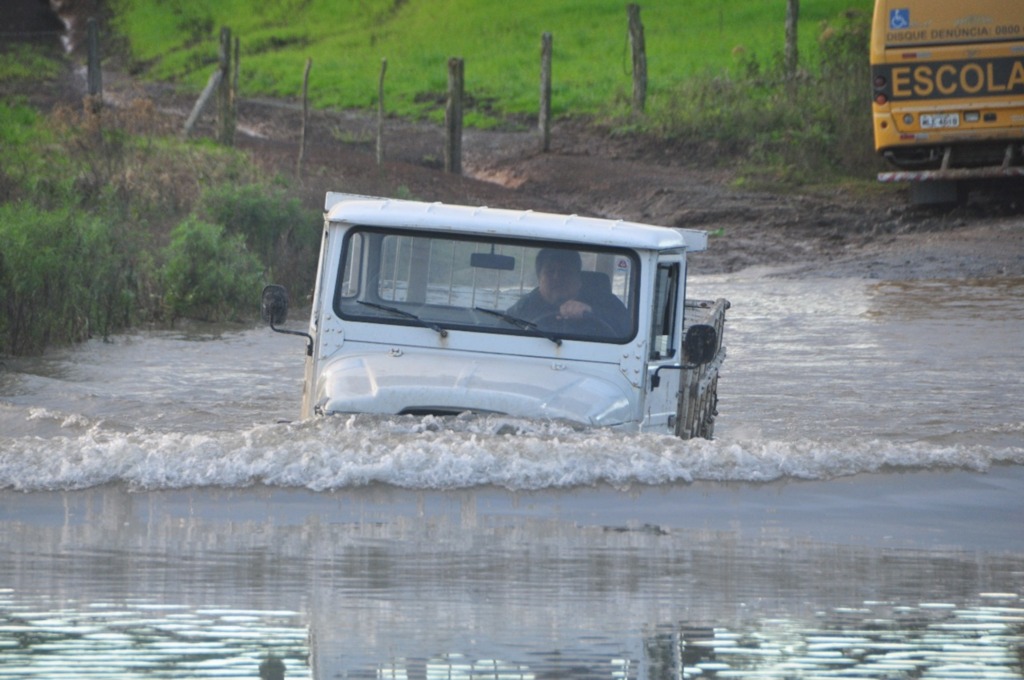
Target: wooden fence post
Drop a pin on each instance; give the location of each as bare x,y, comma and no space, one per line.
380,111
225,99
792,57
544,117
305,116
636,42
235,63
94,74
453,117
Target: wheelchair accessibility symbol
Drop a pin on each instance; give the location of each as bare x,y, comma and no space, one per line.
899,19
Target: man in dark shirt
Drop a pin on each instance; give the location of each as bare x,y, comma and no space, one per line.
561,302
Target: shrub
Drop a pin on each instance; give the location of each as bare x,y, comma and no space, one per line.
842,91
60,280
275,226
124,281
209,275
804,127
87,199
127,162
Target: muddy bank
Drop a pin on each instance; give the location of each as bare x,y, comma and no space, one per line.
869,233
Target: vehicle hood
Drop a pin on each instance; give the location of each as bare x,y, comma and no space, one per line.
434,383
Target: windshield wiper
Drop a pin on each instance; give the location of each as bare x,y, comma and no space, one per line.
408,315
520,323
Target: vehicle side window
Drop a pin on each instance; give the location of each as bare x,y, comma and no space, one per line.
353,267
663,316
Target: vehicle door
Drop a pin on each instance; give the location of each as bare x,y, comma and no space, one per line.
664,351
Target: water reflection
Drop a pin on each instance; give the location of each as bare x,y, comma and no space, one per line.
876,640
69,639
485,583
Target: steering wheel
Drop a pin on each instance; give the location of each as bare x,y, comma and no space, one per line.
588,324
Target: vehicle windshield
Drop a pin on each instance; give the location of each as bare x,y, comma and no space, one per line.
450,282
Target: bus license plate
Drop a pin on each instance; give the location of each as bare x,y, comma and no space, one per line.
931,121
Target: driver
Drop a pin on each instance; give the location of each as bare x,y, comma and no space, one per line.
561,297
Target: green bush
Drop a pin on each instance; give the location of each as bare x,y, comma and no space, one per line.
89,201
275,226
124,284
209,275
60,279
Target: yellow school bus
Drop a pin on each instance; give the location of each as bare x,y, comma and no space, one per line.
948,79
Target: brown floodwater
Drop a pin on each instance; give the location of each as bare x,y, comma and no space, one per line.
857,515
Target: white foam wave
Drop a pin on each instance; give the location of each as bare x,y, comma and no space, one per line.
431,453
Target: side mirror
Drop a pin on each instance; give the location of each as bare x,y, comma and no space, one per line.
274,310
700,344
274,305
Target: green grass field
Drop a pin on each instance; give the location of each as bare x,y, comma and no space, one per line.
499,41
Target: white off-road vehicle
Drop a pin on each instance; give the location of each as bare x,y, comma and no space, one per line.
427,308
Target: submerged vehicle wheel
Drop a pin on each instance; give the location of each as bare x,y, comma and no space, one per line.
703,425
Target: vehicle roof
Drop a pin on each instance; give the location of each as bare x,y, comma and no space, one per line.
495,222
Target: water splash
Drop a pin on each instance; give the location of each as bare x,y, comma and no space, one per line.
442,453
